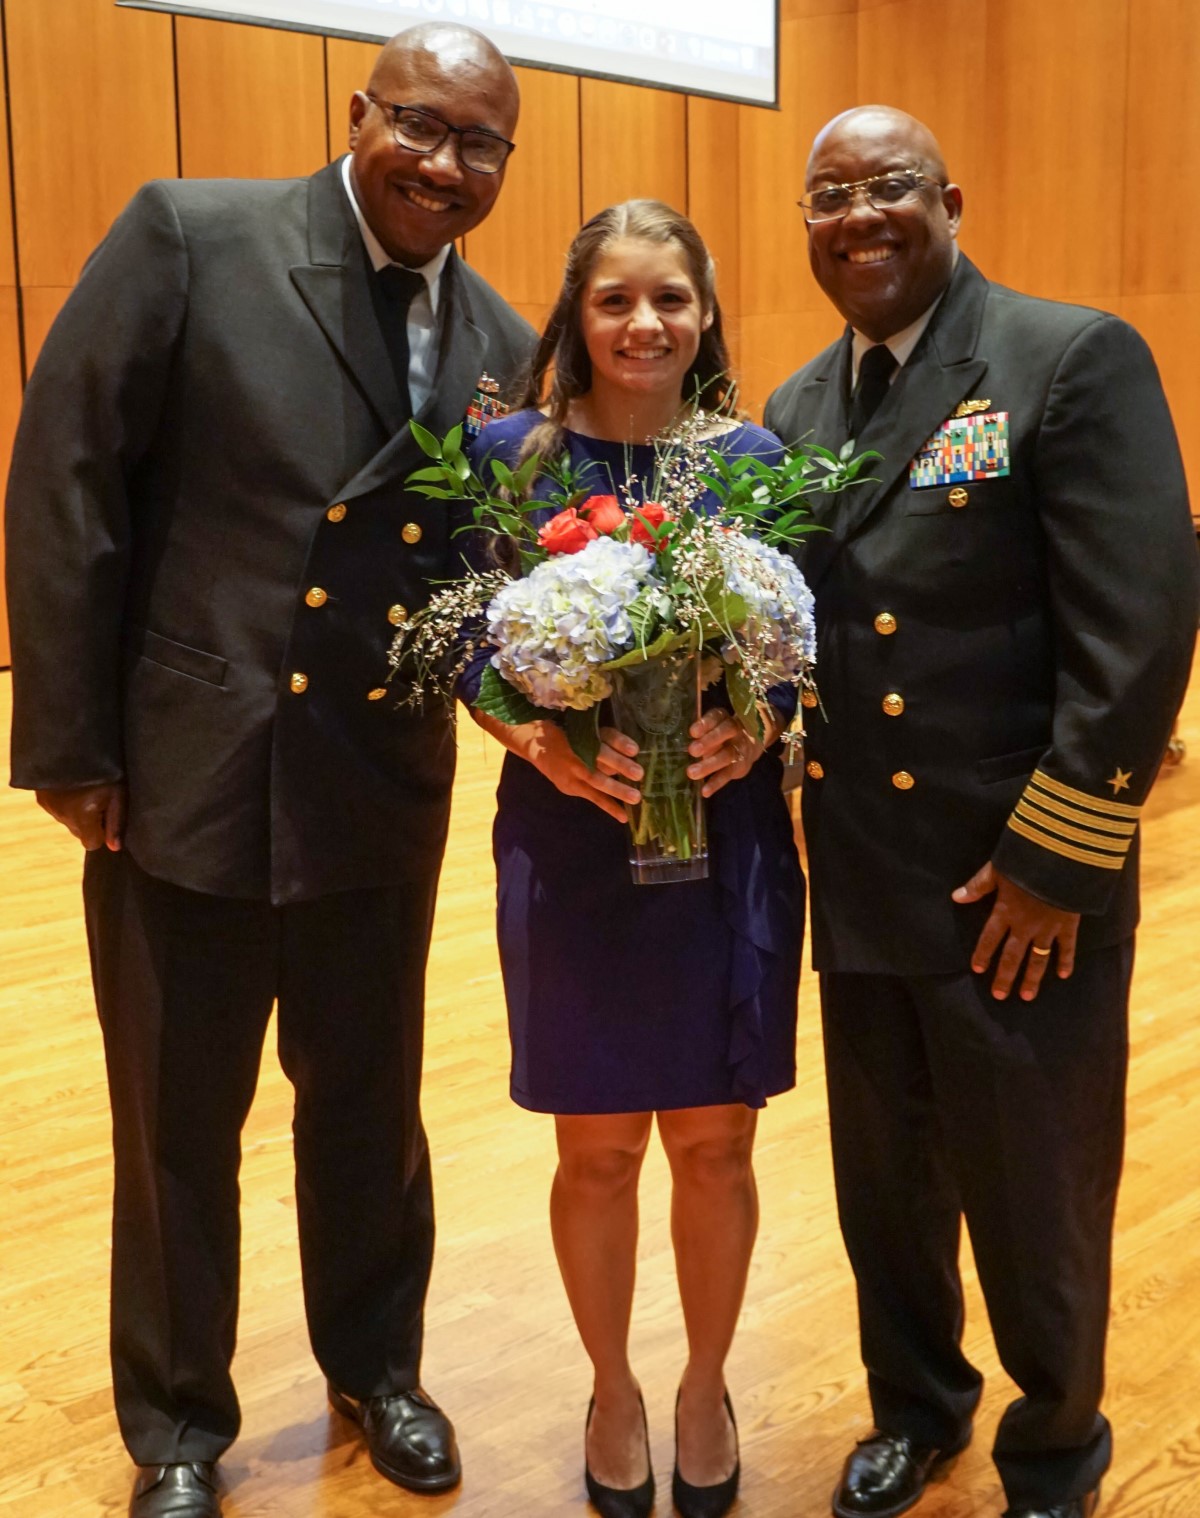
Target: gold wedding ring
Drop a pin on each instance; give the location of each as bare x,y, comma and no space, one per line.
1041,953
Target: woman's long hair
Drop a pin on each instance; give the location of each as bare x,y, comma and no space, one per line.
562,348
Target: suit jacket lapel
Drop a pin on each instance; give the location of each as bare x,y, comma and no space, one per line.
823,397
941,372
334,287
461,353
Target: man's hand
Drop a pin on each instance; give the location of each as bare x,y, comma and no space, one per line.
94,813
1029,929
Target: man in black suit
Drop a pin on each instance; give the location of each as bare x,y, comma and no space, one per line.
1005,622
210,547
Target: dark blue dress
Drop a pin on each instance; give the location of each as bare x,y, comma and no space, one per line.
630,998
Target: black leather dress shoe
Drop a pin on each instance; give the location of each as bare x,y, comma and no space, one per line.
187,1489
885,1475
409,1438
1078,1507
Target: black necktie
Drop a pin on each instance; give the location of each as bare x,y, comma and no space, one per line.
875,370
396,288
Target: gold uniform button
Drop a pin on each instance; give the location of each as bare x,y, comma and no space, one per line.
315,597
903,781
397,615
298,683
958,496
885,624
411,532
336,513
814,770
377,694
808,698
893,704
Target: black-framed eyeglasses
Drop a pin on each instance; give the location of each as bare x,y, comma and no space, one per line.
830,202
422,132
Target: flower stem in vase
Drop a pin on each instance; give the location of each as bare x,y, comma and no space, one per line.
655,703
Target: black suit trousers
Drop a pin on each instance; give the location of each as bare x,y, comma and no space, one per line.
185,984
946,1103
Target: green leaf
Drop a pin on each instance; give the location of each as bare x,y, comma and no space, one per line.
453,443
502,474
743,700
523,476
426,441
666,643
497,698
583,733
644,618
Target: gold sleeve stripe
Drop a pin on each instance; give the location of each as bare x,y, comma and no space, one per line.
1064,830
1084,856
1099,824
1081,798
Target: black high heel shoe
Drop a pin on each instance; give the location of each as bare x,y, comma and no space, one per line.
705,1501
614,1501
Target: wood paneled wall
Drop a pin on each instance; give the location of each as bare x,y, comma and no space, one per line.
1071,128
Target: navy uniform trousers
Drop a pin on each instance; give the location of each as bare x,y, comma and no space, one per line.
185,984
946,1102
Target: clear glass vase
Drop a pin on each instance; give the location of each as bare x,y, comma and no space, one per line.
655,703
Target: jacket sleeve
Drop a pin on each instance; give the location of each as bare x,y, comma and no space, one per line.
1122,584
90,414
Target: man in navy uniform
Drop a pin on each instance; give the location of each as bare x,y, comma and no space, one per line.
1004,638
210,548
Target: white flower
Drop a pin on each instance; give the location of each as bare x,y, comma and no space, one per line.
553,629
779,632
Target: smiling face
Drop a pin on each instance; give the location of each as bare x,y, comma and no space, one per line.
641,316
882,269
417,203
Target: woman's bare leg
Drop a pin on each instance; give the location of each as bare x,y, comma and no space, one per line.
594,1220
714,1219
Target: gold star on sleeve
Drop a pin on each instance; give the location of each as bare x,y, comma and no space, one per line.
1120,781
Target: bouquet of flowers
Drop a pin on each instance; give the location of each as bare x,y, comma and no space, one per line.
636,596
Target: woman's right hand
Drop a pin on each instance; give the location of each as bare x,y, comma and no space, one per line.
607,786
545,745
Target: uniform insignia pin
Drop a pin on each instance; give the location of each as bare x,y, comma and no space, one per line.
969,408
485,406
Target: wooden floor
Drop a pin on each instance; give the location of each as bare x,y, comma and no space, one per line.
501,1354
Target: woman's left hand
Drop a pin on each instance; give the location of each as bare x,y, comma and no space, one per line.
723,750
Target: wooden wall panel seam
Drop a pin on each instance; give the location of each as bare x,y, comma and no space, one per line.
10,167
178,112
1123,200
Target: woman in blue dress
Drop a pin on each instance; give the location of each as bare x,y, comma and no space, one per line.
632,1003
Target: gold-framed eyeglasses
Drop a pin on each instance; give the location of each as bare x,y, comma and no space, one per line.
422,132
830,202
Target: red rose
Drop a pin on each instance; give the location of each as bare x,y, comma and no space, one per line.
604,513
653,513
566,533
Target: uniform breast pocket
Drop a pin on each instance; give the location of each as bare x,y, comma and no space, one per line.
961,500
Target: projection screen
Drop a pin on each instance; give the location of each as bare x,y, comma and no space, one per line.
724,48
